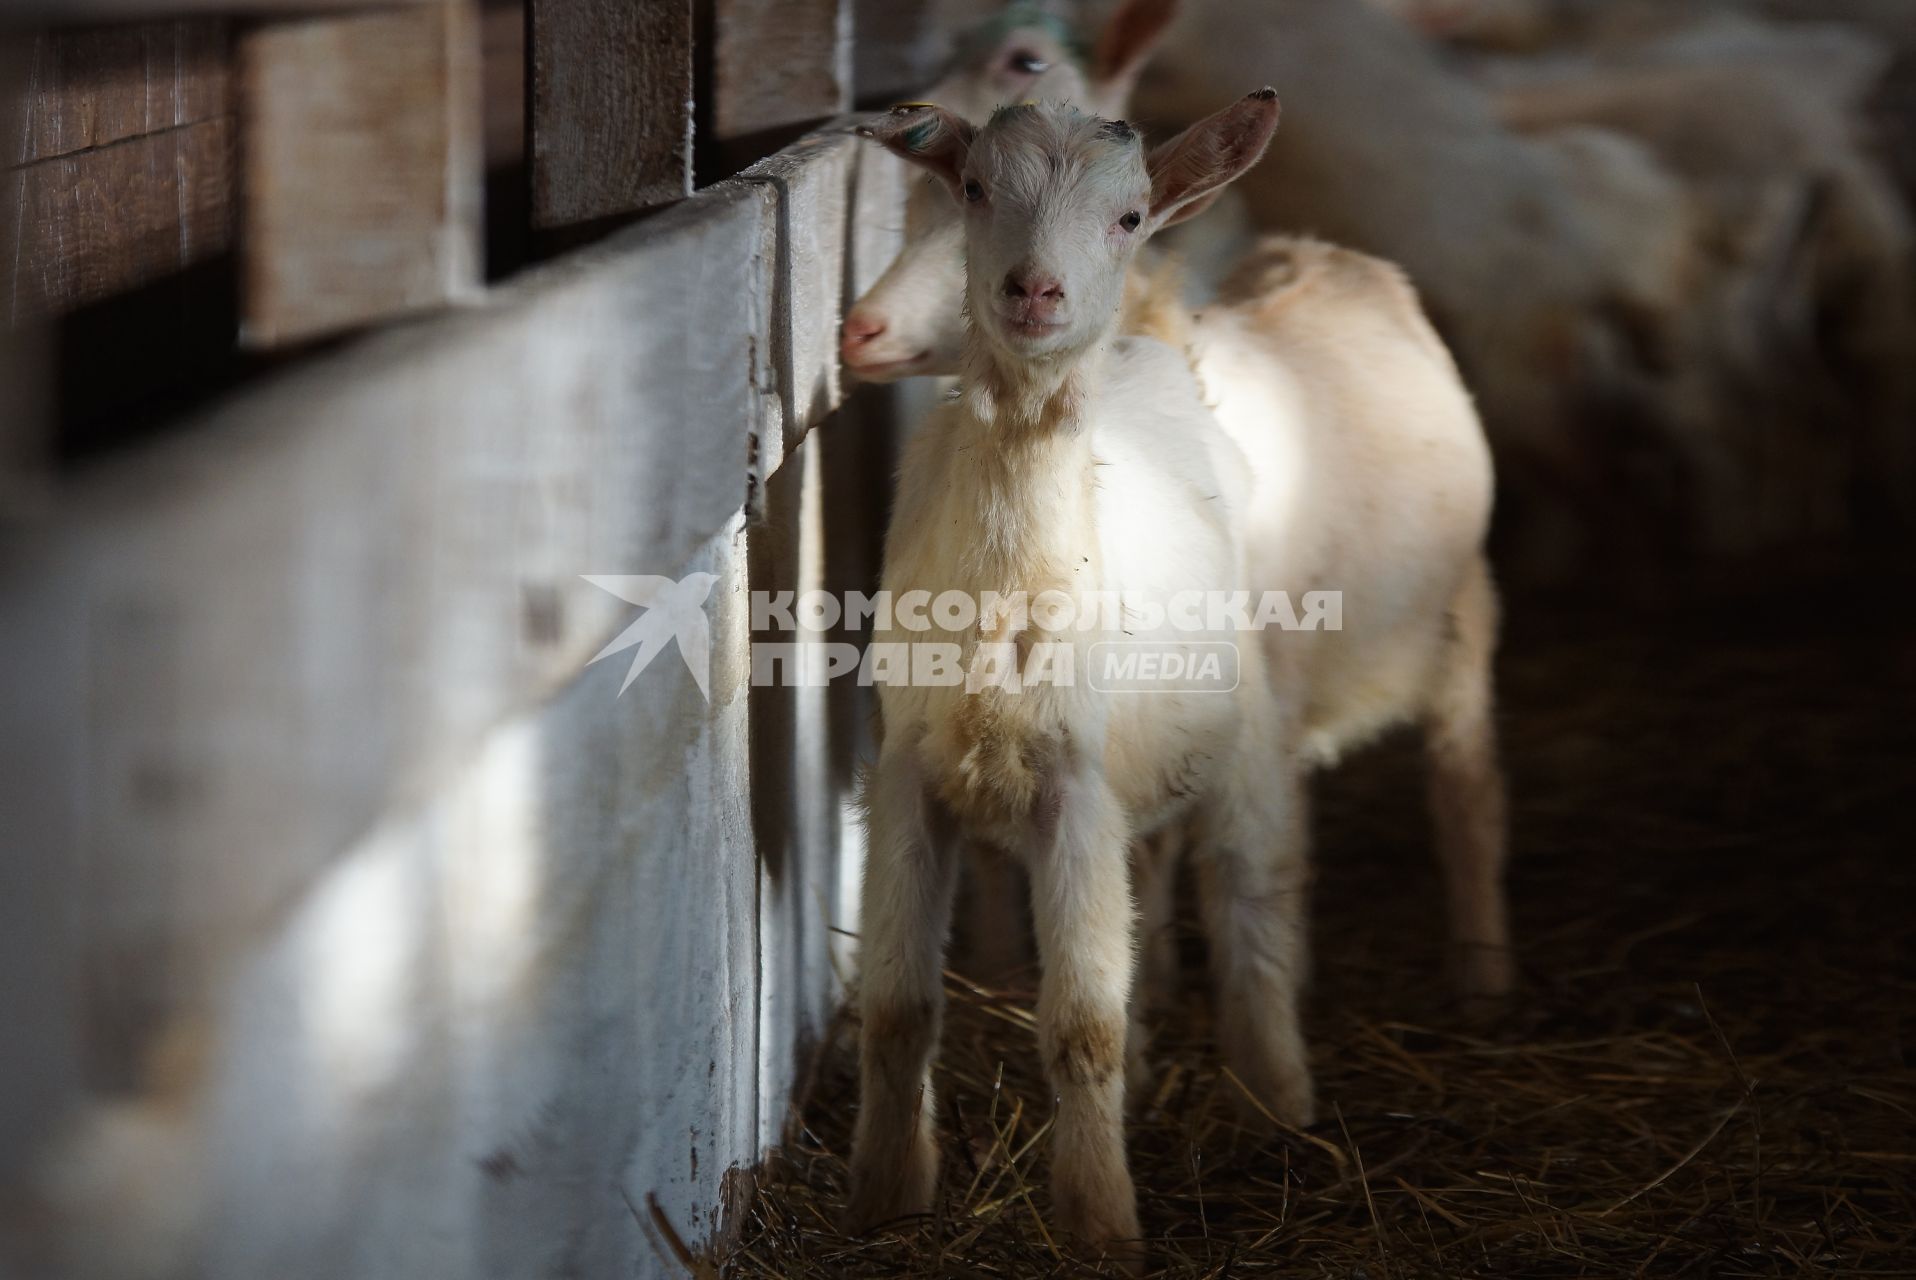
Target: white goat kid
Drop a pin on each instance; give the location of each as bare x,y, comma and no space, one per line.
1078,463
1370,475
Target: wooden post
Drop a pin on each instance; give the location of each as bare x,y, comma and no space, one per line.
611,107
780,63
361,167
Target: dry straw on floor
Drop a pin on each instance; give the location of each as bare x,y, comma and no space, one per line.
1708,1070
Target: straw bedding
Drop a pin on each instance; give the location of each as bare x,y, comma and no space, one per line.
1707,1071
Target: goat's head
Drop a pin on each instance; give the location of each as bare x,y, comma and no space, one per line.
910,322
1055,203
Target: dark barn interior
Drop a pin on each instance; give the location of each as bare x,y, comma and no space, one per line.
367,911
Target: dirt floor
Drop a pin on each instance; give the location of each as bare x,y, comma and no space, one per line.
1708,1071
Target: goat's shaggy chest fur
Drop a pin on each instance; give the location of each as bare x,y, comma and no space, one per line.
1130,500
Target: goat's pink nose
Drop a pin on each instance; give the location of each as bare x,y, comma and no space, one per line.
861,327
1029,284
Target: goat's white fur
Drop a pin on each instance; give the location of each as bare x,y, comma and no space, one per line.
1078,462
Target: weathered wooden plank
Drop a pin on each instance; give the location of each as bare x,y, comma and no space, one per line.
503,50
93,87
611,107
780,63
68,13
503,1012
317,599
202,70
580,972
481,948
813,178
105,221
794,820
564,1021
85,89
362,168
24,360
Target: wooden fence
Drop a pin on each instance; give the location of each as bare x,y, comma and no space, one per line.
353,923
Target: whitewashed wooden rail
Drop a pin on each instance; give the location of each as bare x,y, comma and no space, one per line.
459,962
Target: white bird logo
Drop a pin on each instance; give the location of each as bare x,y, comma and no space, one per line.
673,610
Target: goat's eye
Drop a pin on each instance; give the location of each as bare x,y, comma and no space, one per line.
1027,63
974,190
1131,221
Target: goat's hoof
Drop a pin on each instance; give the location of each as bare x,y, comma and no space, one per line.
873,1206
1096,1203
1113,1237
1274,1085
1287,1103
888,1195
1124,1257
1485,977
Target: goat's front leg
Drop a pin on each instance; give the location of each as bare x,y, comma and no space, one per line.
910,872
1081,906
1253,886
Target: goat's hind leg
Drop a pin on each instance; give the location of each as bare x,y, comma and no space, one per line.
1466,785
910,873
1253,874
1154,993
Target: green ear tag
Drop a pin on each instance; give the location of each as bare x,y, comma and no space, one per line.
919,134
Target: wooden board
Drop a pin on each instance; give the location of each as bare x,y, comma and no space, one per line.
251,643
90,88
120,148
102,222
311,601
69,13
503,48
611,107
813,178
362,168
24,435
780,63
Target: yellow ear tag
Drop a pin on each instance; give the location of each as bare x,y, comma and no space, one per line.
902,107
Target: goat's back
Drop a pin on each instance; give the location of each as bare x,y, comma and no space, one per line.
1371,475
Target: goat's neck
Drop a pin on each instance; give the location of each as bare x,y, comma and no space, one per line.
1015,398
1031,462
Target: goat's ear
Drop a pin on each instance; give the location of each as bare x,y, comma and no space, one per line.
1209,155
1131,35
929,136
